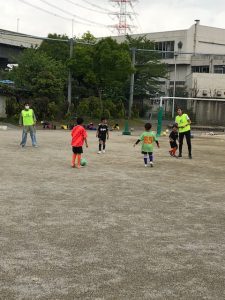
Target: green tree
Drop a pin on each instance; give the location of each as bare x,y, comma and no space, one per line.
148,67
42,76
112,67
100,69
56,47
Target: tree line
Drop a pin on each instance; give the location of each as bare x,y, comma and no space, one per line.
100,71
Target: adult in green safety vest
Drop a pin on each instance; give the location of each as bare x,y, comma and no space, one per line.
183,122
28,121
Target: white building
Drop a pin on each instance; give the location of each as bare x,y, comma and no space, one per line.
198,56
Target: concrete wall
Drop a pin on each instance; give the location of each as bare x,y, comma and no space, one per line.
209,113
22,40
2,106
206,85
210,40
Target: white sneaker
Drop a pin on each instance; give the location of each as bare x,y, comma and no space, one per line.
103,151
151,164
99,152
146,166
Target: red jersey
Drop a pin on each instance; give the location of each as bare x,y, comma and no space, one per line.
78,134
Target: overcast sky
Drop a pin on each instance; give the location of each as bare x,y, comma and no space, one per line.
152,15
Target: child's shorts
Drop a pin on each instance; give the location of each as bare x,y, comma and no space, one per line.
102,139
173,145
146,153
77,150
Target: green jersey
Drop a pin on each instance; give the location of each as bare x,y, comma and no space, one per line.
148,138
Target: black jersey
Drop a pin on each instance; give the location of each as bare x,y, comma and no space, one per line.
102,130
173,139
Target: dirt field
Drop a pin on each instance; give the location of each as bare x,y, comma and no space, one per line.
113,229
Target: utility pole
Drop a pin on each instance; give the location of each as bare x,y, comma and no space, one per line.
69,95
72,27
131,98
174,82
18,24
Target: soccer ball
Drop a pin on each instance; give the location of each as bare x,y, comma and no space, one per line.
83,162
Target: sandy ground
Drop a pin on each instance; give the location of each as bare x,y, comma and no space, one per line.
113,229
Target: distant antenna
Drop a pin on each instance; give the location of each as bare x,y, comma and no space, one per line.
123,27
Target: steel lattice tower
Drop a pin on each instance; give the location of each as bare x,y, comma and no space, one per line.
123,15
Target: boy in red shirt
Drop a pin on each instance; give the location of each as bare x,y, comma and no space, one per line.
79,136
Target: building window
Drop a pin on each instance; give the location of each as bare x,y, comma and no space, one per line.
219,69
164,47
200,69
181,83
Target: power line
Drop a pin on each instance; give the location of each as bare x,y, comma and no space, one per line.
45,10
2,32
51,13
75,16
135,15
87,8
99,7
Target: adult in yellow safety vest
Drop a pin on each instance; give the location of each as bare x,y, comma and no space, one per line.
183,122
28,121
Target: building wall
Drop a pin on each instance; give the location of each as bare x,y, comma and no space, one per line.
2,106
210,40
203,48
206,85
209,113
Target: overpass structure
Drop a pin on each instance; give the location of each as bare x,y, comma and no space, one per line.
12,44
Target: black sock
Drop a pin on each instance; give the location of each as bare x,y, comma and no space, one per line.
145,159
103,146
100,147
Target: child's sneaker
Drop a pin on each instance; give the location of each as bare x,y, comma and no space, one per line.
99,152
73,166
146,166
103,151
151,164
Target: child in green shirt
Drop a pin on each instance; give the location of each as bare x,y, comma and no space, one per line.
147,138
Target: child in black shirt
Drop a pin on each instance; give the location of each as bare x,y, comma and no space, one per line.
102,134
173,137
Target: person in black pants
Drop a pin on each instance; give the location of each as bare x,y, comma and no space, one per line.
173,137
102,134
183,122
